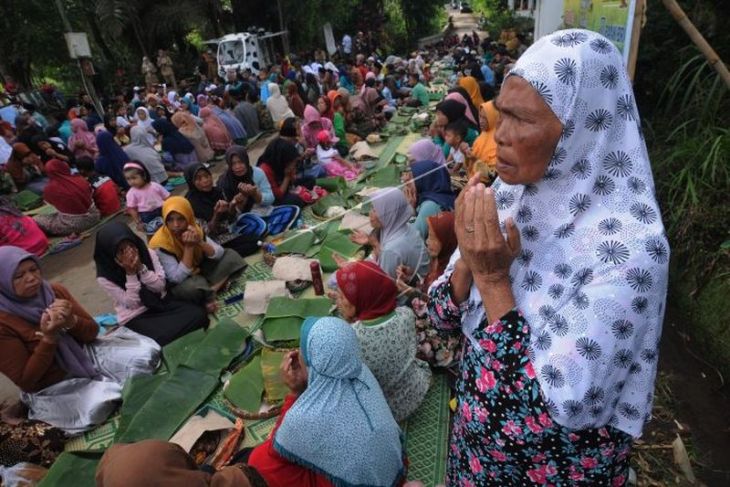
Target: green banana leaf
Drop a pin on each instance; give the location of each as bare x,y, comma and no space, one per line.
274,386
385,177
76,469
399,119
155,406
137,391
175,399
336,243
246,386
220,345
282,329
332,199
284,316
389,150
296,243
177,351
333,185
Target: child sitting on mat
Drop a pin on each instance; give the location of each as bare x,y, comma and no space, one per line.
330,158
144,197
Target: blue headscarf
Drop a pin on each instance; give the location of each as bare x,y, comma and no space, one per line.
190,103
234,126
433,183
172,140
111,159
341,426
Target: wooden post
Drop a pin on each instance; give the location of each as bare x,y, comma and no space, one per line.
712,57
639,12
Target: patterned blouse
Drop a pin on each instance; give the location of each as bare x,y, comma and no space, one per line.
503,432
389,350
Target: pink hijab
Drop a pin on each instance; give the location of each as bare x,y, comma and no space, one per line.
311,115
82,133
458,98
215,130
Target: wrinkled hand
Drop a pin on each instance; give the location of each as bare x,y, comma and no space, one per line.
359,237
62,308
294,376
484,249
49,327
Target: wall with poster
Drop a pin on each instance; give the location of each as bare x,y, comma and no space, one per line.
612,18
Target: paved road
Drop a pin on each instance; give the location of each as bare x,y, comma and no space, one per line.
464,23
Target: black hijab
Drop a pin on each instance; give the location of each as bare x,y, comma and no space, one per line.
453,110
228,182
288,127
203,202
108,240
172,140
472,108
277,155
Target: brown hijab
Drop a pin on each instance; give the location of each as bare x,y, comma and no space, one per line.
162,464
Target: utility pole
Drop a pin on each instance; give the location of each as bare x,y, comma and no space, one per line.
281,28
89,87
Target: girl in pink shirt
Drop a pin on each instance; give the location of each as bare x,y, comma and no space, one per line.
144,197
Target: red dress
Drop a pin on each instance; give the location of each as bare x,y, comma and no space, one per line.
277,470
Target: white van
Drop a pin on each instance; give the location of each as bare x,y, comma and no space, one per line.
246,50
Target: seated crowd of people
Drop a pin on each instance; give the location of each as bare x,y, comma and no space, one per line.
542,292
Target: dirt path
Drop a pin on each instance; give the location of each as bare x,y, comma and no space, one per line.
692,392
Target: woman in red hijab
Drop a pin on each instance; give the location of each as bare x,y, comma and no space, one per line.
71,195
295,101
366,298
438,348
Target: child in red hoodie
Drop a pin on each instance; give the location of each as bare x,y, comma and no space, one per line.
106,192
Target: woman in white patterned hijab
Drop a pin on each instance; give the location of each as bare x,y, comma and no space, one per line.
558,377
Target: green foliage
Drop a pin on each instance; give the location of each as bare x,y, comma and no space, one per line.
686,121
499,17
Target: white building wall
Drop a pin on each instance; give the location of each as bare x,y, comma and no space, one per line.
548,17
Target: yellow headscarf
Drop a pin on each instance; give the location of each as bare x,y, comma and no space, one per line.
485,148
471,85
165,240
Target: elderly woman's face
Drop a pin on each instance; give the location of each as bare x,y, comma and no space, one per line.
27,279
527,133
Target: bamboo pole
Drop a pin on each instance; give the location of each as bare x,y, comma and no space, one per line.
639,12
712,57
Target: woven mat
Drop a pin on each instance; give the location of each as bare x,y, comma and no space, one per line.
426,432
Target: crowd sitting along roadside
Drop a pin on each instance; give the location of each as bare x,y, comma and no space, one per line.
520,285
